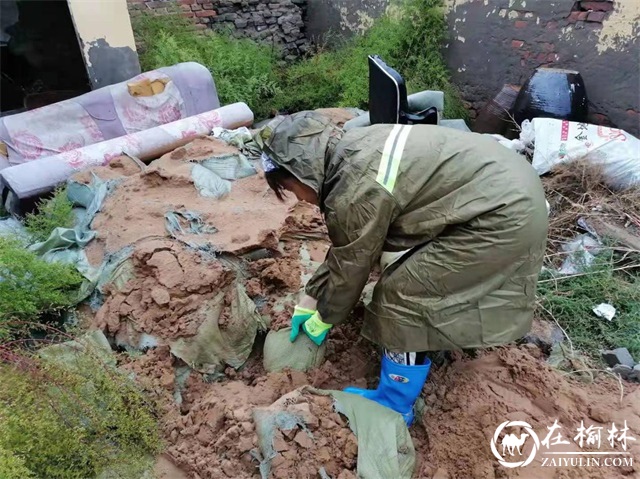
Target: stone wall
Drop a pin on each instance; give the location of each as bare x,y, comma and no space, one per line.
504,41
274,22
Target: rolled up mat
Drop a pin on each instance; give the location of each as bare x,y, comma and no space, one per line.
125,108
41,176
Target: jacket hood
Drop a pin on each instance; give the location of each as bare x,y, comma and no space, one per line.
300,143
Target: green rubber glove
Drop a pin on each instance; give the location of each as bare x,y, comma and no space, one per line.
311,324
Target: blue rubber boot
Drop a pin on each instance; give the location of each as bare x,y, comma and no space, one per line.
399,387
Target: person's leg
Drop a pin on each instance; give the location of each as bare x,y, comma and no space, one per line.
402,376
407,359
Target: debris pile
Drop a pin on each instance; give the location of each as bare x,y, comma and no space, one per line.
581,203
203,267
250,246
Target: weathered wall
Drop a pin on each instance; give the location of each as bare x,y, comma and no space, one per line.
274,22
502,41
493,42
329,20
106,38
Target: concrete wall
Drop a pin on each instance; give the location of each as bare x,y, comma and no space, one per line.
273,22
105,35
330,20
502,41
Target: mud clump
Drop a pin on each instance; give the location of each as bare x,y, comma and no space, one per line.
215,436
168,284
117,168
275,275
322,442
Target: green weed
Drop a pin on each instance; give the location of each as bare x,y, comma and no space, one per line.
410,41
571,301
57,422
53,212
31,287
13,467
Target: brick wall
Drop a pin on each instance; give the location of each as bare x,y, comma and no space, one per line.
273,22
504,41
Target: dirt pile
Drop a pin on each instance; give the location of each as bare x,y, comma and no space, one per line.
468,399
167,286
270,249
138,206
221,419
164,288
212,433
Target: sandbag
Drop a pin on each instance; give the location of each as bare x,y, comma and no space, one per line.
280,353
70,354
212,177
561,141
416,102
66,245
385,448
213,345
13,229
458,124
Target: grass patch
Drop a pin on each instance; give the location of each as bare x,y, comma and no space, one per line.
571,300
410,40
58,422
30,287
54,212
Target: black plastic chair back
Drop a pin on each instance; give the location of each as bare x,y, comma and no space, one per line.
388,97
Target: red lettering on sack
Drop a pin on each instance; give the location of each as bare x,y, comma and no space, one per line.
611,133
565,130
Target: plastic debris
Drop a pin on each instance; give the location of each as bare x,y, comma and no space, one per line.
605,310
581,253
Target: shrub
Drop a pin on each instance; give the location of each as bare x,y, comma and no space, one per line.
13,467
409,41
57,422
312,83
53,212
31,287
242,69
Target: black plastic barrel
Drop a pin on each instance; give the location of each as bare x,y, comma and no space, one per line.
552,93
